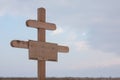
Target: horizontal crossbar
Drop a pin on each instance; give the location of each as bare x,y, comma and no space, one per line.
25,44
38,24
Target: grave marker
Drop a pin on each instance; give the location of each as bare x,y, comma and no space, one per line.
41,50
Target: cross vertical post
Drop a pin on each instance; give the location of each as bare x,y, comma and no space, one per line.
41,37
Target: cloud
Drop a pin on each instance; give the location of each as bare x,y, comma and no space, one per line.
91,28
101,20
59,30
93,58
111,71
21,7
16,7
85,59
105,35
86,55
81,45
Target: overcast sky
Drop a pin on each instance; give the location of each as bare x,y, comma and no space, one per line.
90,28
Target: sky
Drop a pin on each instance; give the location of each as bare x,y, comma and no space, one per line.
90,28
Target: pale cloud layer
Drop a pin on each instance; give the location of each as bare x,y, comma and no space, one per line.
59,30
100,59
89,27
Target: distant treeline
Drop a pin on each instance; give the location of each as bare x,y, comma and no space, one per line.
68,78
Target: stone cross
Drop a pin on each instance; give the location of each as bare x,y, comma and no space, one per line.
41,50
